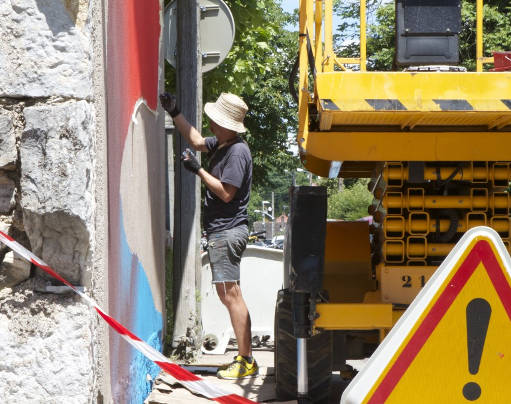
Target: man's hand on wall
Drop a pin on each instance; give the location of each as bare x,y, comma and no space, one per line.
169,103
190,161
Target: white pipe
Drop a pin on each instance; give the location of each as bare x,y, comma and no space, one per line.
301,367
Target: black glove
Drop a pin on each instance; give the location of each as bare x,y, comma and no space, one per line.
169,104
190,161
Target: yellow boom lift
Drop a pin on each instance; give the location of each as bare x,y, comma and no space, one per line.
435,141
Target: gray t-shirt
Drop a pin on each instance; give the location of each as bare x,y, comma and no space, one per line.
231,164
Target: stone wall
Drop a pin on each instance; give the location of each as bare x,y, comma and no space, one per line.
49,134
46,346
56,154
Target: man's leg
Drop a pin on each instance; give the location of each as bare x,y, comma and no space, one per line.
244,365
230,295
225,251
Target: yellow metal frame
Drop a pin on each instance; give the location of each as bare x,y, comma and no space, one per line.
347,273
419,93
479,37
346,316
398,140
315,20
404,146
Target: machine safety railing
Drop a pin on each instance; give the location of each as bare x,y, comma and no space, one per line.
316,52
316,23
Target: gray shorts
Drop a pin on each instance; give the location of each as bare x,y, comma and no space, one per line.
225,248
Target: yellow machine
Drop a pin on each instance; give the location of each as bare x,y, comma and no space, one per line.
436,143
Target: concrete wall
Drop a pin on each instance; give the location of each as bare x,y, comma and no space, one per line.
136,177
261,277
79,77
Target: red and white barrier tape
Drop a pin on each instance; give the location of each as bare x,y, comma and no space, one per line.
189,380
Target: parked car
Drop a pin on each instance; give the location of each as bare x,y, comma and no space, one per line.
278,242
267,243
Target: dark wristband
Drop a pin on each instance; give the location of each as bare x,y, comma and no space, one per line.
175,112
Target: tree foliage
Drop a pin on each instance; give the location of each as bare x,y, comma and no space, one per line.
350,203
257,69
254,204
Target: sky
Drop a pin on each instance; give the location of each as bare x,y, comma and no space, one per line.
290,5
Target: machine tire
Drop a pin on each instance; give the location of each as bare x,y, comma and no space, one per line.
319,356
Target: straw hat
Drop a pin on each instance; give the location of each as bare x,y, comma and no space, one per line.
228,111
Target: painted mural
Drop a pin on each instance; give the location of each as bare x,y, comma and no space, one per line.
136,175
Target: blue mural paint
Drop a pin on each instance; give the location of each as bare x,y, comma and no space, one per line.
147,322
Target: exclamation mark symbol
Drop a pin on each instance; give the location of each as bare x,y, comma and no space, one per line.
478,318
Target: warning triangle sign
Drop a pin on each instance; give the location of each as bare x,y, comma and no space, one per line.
453,344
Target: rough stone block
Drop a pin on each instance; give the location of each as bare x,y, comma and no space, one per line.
43,52
13,270
46,348
8,151
7,194
56,153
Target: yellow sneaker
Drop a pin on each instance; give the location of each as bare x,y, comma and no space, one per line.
239,369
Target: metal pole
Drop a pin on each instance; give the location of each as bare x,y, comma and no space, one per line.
186,264
169,180
318,43
479,35
273,213
301,368
363,41
305,25
262,212
329,52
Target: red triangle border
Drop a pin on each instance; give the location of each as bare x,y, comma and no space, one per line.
481,252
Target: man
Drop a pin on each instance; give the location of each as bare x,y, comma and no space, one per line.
228,185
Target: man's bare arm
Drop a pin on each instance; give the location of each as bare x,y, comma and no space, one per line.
192,135
221,189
